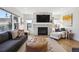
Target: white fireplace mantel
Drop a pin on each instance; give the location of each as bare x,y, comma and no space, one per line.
36,24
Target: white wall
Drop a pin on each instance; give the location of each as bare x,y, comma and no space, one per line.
28,17
75,22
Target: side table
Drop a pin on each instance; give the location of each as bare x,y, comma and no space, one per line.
70,35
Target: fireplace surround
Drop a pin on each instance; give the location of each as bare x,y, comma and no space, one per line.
41,24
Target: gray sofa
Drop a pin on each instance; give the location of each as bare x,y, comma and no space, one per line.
8,44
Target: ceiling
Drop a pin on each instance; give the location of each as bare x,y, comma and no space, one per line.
54,10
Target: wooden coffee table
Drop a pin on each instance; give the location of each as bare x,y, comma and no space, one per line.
36,44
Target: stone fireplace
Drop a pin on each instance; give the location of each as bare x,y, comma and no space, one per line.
42,28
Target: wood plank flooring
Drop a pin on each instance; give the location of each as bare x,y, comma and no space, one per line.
68,44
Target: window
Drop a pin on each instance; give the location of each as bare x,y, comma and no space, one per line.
58,23
29,24
8,21
16,24
5,20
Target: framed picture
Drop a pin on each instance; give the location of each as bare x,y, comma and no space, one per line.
68,19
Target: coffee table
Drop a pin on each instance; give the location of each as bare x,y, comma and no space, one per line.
36,44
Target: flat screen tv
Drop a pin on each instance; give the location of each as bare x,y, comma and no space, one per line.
43,18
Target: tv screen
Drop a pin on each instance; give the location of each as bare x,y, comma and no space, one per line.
43,18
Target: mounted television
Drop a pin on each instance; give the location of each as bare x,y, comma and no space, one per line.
43,18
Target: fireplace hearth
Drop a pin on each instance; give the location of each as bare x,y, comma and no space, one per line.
42,30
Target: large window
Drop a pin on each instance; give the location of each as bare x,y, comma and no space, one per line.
8,21
58,23
5,20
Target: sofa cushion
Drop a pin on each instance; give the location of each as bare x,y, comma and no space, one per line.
9,45
10,34
57,30
20,33
4,37
14,34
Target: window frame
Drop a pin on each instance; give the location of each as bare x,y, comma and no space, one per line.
12,19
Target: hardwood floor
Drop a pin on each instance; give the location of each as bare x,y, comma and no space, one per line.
68,44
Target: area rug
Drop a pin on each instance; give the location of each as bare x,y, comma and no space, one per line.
54,46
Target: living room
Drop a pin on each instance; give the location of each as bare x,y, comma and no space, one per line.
39,29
